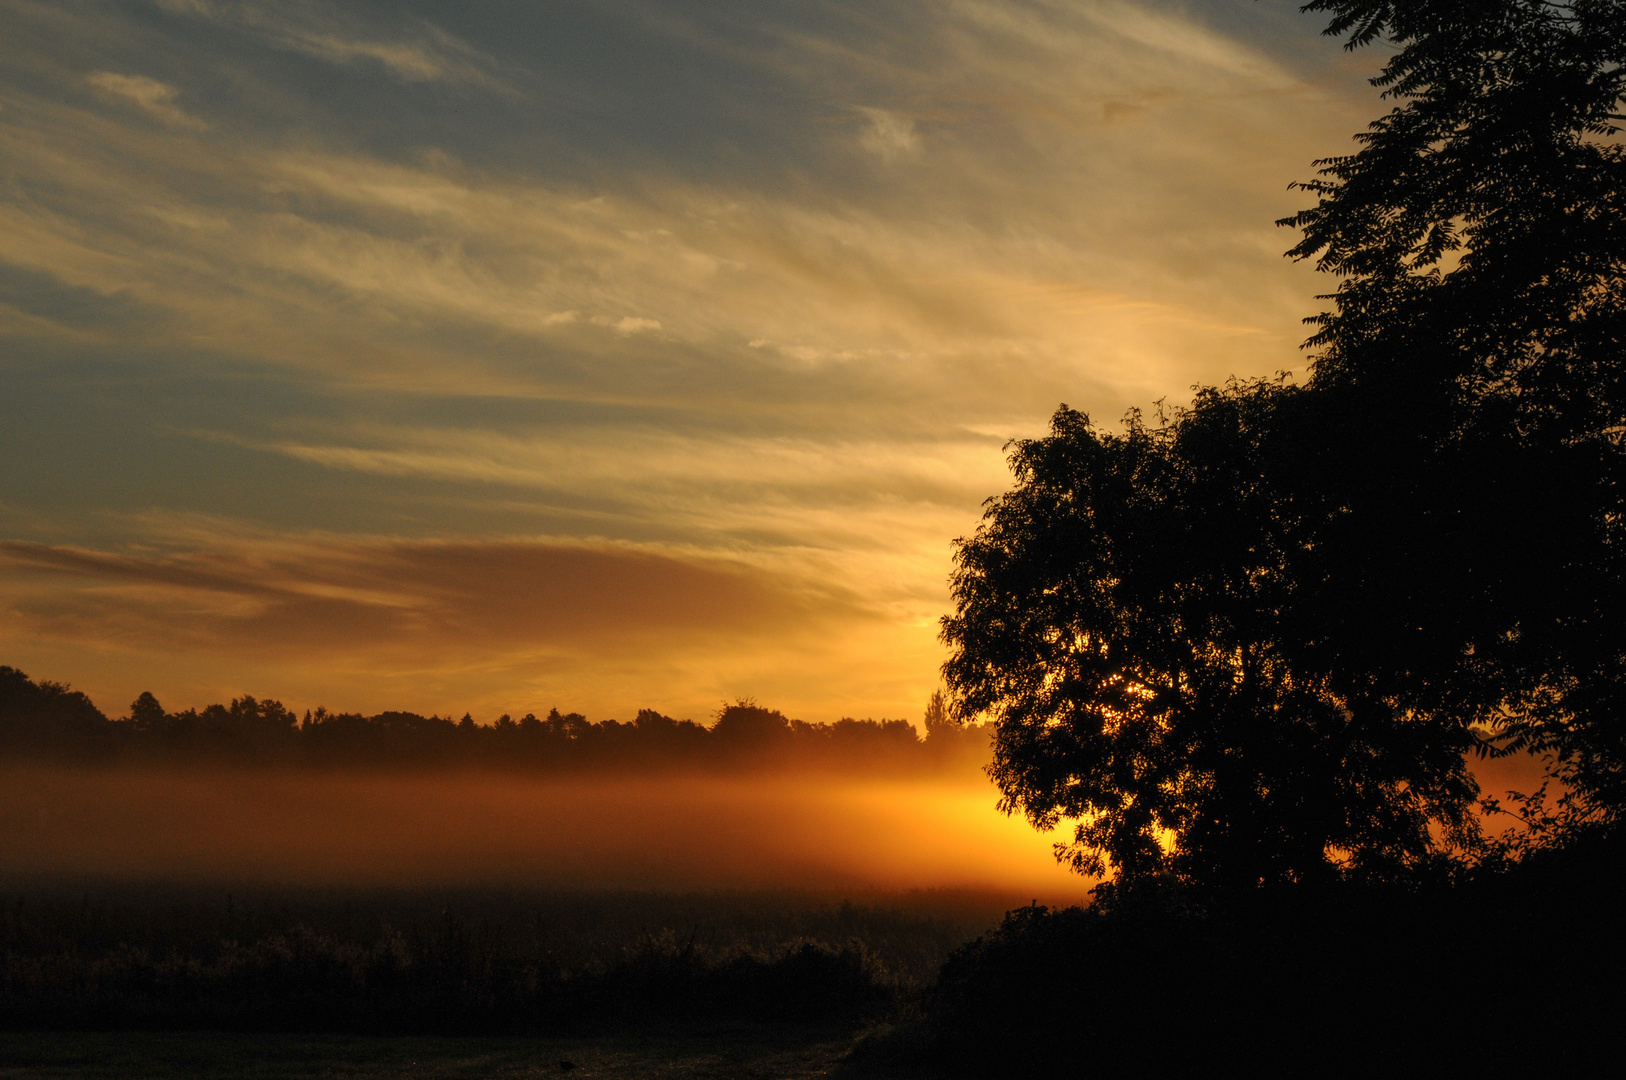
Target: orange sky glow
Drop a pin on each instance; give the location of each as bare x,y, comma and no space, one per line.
603,356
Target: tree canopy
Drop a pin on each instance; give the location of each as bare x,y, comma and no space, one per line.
1253,640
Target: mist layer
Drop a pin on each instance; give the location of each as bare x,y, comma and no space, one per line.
658,834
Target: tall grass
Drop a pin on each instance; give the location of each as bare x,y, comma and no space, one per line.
462,961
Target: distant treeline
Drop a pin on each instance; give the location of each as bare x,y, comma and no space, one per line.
51,721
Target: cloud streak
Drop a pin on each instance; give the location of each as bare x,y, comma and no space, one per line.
328,593
149,95
755,291
323,32
485,624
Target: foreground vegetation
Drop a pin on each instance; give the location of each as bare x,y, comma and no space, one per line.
462,962
1498,968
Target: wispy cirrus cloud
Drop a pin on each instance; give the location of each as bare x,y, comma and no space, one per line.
326,592
418,52
889,135
152,97
767,282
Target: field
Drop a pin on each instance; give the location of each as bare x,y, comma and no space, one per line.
158,980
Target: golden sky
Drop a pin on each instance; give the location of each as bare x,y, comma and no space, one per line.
607,354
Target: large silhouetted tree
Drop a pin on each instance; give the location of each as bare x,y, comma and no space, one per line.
1480,238
1132,615
1253,641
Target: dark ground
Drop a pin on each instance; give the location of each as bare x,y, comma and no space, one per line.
768,1054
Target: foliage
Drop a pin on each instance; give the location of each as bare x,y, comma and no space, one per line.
1131,614
1481,243
1252,642
35,716
1351,981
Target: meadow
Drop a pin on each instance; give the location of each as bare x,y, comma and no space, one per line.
164,979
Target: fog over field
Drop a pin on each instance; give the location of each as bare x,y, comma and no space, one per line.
751,831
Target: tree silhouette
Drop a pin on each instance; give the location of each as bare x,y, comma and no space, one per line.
1130,615
744,727
48,718
146,713
1480,240
1253,640
936,721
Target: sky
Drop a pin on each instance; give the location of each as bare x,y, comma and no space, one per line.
496,356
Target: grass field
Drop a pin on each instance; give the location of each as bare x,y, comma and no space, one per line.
761,1054
136,981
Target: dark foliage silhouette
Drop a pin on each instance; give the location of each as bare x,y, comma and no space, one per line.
456,961
47,720
1479,237
46,717
1252,642
1496,971
1129,614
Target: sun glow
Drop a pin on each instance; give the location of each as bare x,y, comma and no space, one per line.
564,832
